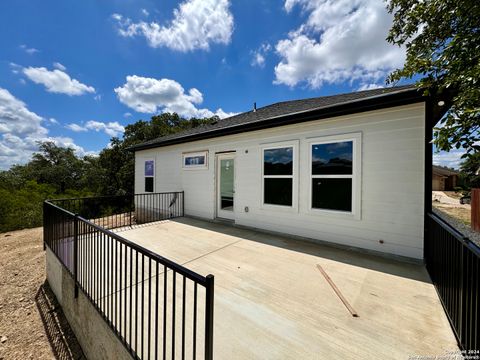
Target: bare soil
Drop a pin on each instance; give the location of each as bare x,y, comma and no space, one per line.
32,324
461,214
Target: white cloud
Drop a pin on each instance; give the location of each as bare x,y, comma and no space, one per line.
258,56
57,81
20,131
110,128
28,50
370,86
149,95
341,40
98,97
451,159
196,24
59,66
145,12
76,127
127,115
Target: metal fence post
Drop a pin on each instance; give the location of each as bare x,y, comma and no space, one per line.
44,213
75,253
183,203
209,302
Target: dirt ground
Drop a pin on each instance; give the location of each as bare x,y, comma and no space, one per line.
460,213
32,325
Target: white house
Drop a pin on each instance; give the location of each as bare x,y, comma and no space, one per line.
347,169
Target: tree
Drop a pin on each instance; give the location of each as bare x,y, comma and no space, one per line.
470,171
442,39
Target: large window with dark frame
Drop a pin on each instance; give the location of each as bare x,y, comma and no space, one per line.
278,172
332,176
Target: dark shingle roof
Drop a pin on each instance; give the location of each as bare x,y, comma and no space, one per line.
274,113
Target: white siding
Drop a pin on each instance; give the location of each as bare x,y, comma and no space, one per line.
392,180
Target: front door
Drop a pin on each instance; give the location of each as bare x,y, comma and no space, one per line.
225,186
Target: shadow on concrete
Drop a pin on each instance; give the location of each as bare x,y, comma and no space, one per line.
60,336
393,265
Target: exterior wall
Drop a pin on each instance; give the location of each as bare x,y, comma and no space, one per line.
95,337
438,182
391,192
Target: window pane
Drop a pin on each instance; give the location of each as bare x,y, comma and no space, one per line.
149,184
226,183
195,160
149,168
332,159
332,194
278,161
278,191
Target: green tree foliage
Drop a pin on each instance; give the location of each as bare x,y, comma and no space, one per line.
56,172
470,171
442,39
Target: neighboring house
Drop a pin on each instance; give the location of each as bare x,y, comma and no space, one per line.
443,179
347,169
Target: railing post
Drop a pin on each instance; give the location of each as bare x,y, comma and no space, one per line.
209,302
75,253
44,213
183,203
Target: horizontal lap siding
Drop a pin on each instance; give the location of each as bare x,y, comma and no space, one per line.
392,180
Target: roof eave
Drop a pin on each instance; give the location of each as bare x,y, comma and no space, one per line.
373,103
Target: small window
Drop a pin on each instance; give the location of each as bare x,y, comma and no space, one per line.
278,176
197,160
149,184
149,175
332,176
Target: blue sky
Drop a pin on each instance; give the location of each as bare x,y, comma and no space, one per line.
77,72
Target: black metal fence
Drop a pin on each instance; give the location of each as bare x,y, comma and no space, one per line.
157,308
112,212
453,262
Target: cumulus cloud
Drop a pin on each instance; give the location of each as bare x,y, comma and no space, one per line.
342,40
195,25
110,128
451,159
258,56
59,66
57,81
29,50
21,129
370,86
149,95
76,127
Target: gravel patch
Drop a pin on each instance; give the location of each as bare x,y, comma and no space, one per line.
459,225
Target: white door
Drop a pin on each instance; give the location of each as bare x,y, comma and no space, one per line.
225,186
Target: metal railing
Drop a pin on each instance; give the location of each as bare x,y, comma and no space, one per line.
453,261
157,308
111,212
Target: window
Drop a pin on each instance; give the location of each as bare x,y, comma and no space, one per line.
333,174
197,160
149,175
278,170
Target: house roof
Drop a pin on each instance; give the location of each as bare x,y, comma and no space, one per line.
295,111
443,171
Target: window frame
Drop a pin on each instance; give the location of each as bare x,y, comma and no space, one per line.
294,176
185,155
145,176
356,139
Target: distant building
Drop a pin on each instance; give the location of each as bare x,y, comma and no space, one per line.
443,179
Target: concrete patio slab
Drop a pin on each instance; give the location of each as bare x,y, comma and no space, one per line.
272,302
